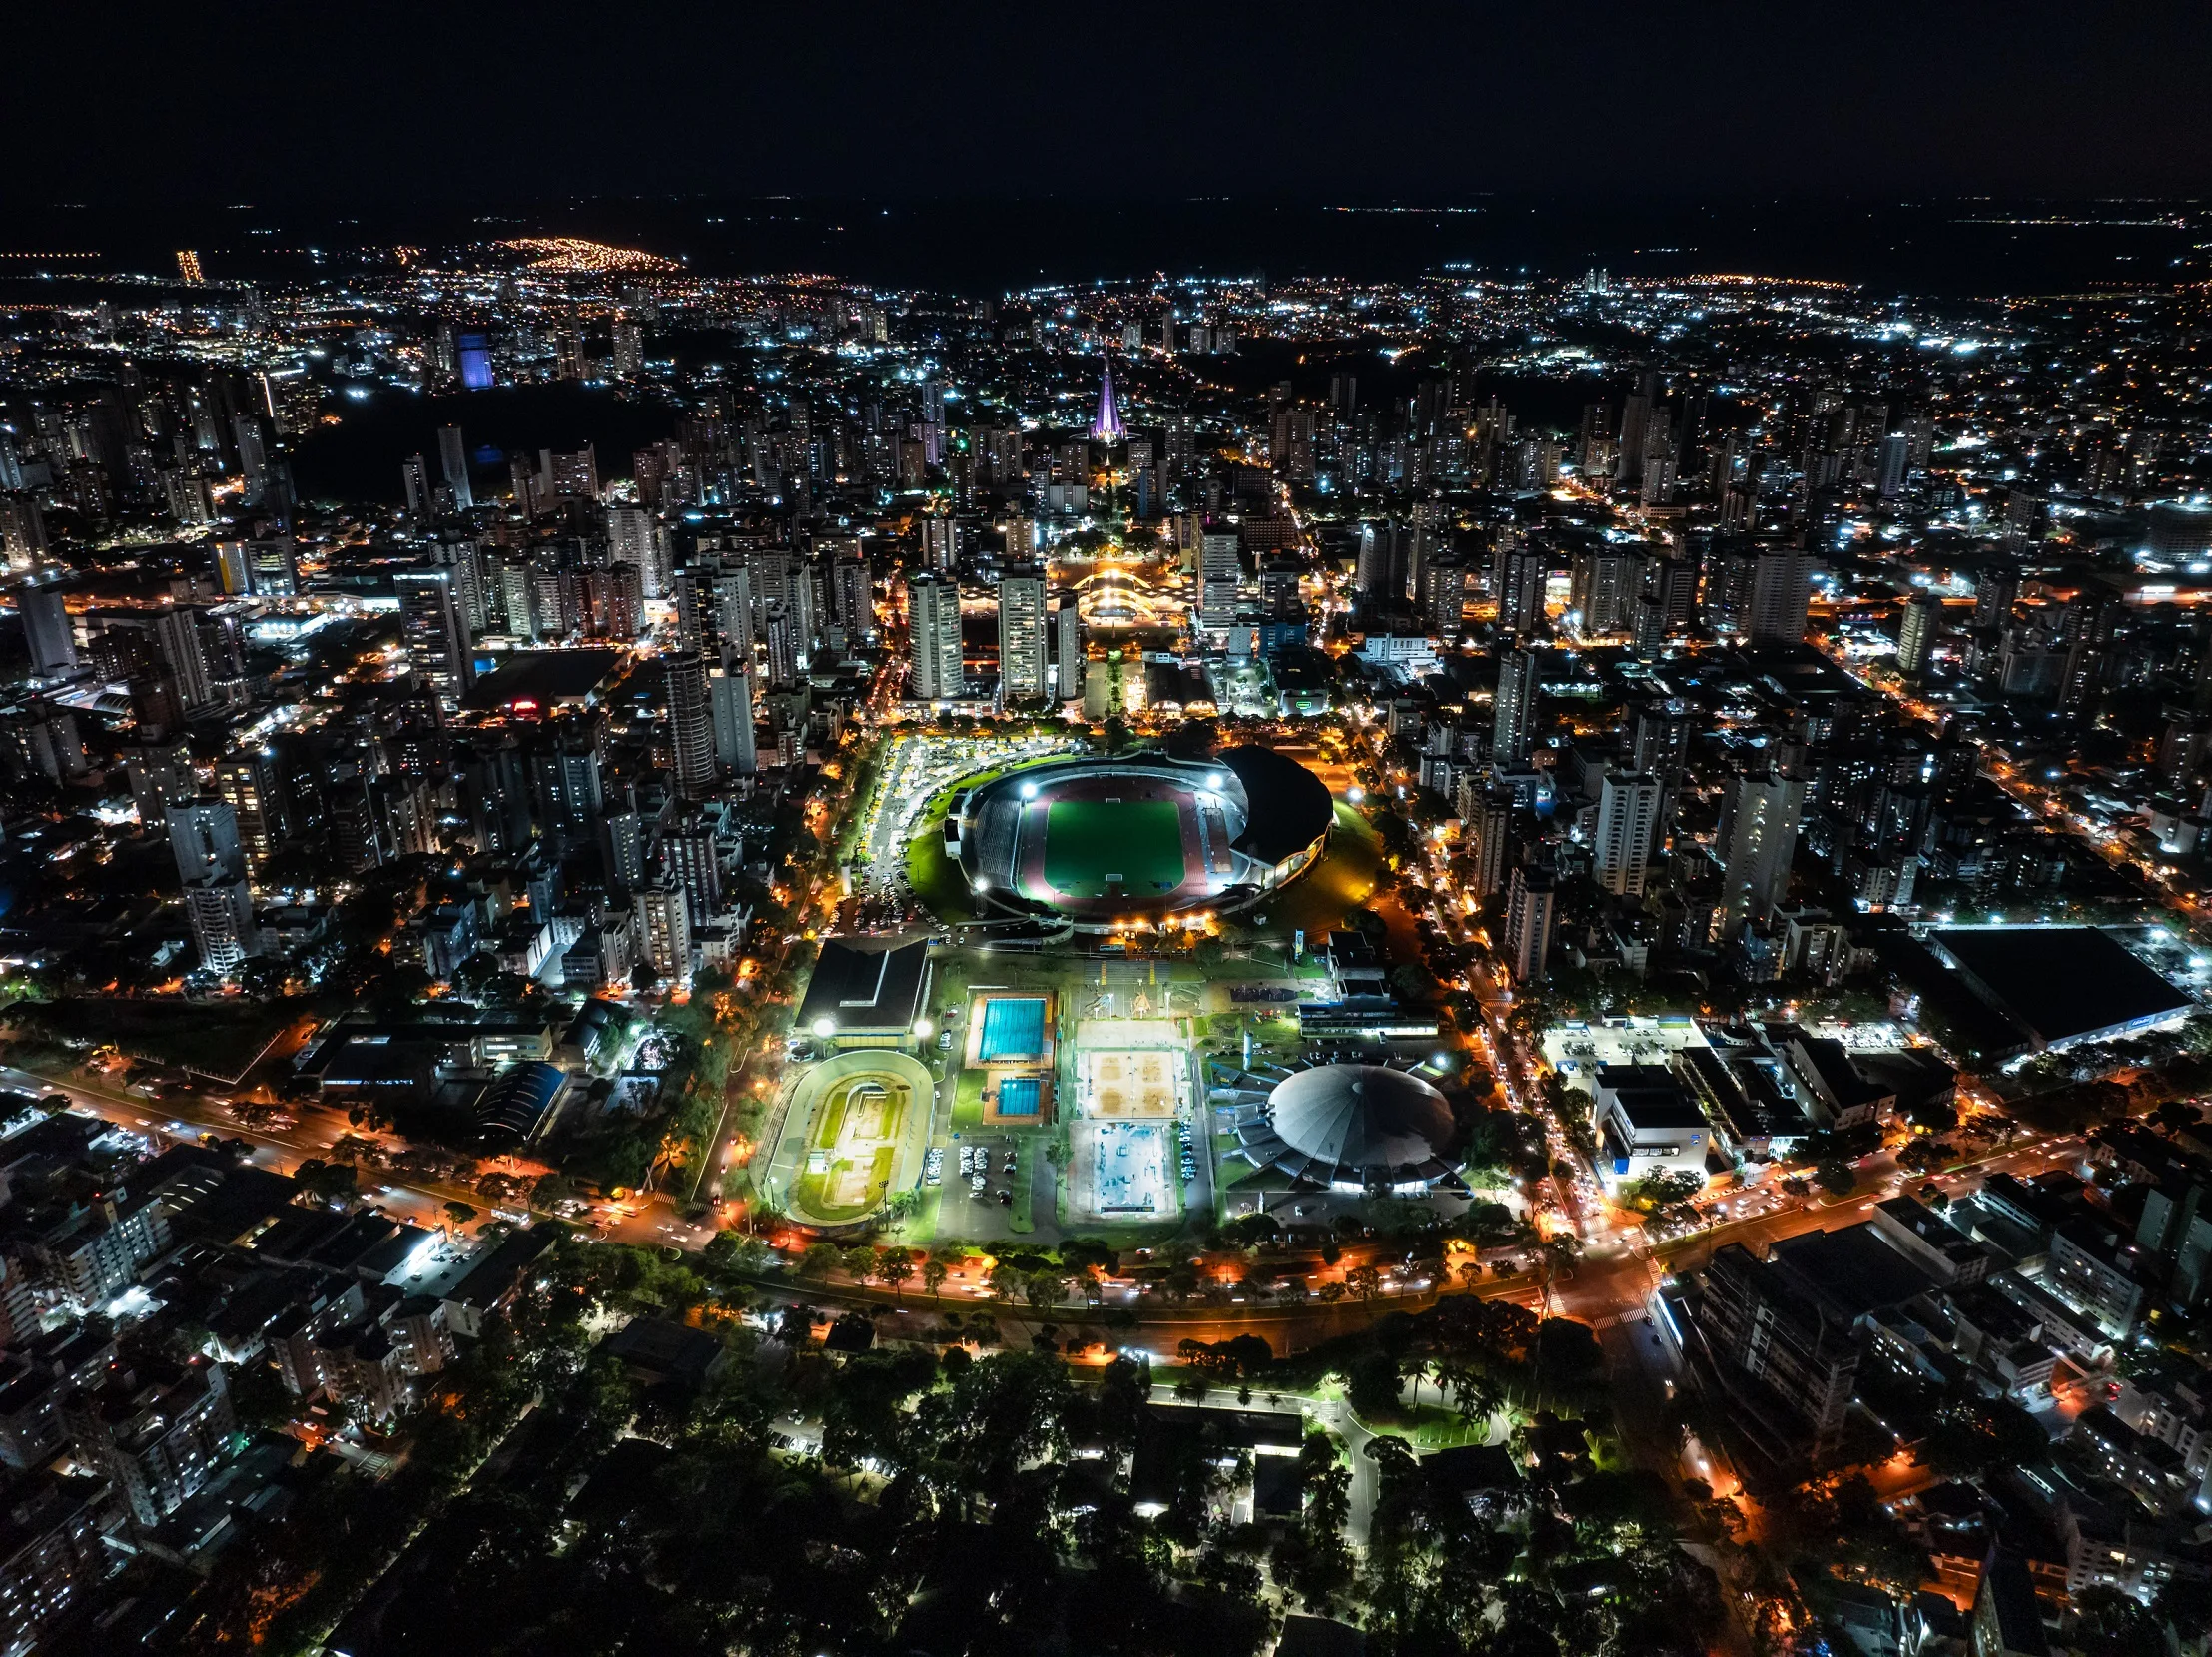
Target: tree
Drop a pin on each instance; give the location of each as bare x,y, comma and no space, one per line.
1837,1176
859,1262
327,1181
1043,1288
1971,1435
933,1274
1363,1283
897,1270
1371,1383
2111,1624
458,1214
1664,1188
819,1259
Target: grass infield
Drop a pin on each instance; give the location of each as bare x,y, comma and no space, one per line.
1088,841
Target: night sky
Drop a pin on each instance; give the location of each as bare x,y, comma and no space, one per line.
392,104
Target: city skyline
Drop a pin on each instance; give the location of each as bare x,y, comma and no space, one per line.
1413,859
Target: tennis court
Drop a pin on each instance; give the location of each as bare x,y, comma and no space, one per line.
1018,1096
1093,847
1122,1171
1012,1030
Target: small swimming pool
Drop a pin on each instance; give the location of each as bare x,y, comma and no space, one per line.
1013,1028
1018,1096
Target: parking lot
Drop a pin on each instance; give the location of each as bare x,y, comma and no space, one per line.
980,1215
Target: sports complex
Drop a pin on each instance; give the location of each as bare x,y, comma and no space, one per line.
1144,837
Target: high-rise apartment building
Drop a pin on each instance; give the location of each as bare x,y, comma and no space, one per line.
664,930
452,459
435,635
202,837
731,691
47,629
1514,713
1221,575
1628,829
1758,840
1486,829
1923,620
1522,572
690,726
1530,916
933,643
1022,636
1068,648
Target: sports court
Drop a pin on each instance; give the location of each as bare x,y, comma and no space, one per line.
1144,1081
1120,1171
1095,847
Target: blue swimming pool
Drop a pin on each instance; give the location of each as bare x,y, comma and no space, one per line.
1013,1028
1018,1096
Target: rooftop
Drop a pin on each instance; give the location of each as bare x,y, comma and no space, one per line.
543,679
2064,983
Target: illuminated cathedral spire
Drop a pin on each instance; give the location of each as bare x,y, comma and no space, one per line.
1106,426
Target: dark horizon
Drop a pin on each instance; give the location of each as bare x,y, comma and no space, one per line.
978,243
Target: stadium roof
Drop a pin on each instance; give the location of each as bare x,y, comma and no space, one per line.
1364,1122
2064,984
1287,806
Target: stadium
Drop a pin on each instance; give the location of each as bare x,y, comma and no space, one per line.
1106,842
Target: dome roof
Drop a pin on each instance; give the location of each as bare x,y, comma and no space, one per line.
1360,1122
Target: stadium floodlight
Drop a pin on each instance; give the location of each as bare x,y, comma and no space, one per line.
924,1030
825,1027
1029,791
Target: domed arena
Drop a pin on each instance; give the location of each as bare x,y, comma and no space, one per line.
1141,837
1353,1127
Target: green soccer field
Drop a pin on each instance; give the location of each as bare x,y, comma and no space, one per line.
1088,841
